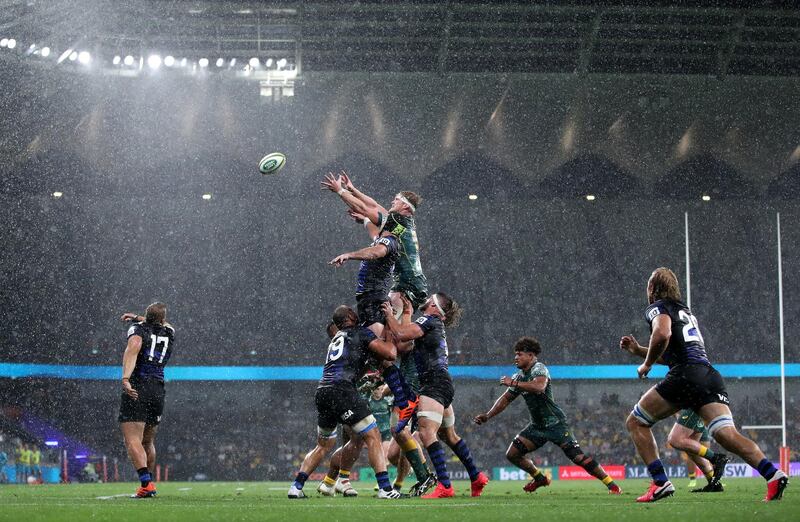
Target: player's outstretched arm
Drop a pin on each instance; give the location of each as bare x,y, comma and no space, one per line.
401,331
130,316
498,407
369,253
366,200
334,184
632,346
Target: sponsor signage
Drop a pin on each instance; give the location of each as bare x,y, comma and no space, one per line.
578,473
504,473
640,472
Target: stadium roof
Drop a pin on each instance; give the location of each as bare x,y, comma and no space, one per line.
707,38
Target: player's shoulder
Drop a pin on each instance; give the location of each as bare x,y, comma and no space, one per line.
428,321
137,328
664,306
539,369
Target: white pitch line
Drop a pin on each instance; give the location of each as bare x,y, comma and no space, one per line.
114,496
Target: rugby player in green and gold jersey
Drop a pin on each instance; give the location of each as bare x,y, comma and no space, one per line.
689,434
548,422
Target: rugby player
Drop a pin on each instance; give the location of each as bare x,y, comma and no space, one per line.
436,415
548,422
409,280
689,434
338,401
691,382
151,341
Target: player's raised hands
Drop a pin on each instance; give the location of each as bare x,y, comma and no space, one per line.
480,419
339,260
331,182
386,308
629,344
344,179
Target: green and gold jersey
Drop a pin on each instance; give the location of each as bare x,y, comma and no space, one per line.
408,275
382,411
408,367
544,411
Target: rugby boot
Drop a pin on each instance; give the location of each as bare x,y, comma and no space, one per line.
441,492
422,487
615,490
326,490
693,483
655,492
478,484
712,487
148,491
718,461
296,493
404,415
775,486
344,487
391,494
534,484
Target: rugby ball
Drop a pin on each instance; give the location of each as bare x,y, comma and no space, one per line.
271,163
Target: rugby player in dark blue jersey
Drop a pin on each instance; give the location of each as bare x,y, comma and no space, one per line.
436,414
338,400
691,382
151,341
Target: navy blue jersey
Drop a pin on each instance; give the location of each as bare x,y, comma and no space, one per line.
430,350
158,341
348,355
685,343
376,275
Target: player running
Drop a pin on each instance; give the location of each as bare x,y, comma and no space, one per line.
338,401
548,422
691,382
689,434
436,414
151,341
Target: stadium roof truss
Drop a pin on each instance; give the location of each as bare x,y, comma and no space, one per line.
427,36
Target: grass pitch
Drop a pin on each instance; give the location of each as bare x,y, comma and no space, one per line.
233,501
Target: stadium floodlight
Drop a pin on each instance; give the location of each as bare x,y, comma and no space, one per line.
57,194
282,63
4,42
706,197
473,197
128,60
206,196
220,62
254,62
116,60
64,55
232,63
183,62
45,52
12,43
84,57
73,56
154,61
51,443
590,197
169,60
202,62
268,63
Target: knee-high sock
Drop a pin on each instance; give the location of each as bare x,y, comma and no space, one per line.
436,453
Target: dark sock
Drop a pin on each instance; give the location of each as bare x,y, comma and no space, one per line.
462,452
144,476
656,470
766,469
539,477
436,453
383,480
394,379
300,480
